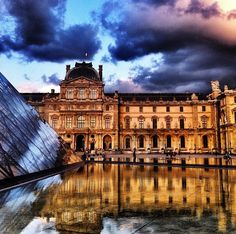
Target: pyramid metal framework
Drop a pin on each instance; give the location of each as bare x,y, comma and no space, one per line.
27,143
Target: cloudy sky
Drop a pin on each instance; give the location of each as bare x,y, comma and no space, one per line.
144,45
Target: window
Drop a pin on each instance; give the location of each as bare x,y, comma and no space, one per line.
127,108
205,141
69,93
181,123
234,117
127,123
204,121
127,143
107,107
181,109
168,141
81,94
92,121
182,142
168,122
234,99
154,123
107,122
93,94
154,109
203,108
54,123
141,123
167,109
154,141
81,122
68,122
141,142
140,109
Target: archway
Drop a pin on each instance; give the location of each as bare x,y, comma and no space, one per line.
107,142
80,143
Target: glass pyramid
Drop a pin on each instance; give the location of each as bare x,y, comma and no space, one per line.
27,143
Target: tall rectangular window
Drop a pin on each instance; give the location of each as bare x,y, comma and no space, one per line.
107,122
181,123
127,109
140,109
154,123
81,94
69,93
167,109
81,122
127,123
203,108
93,94
68,122
54,123
181,109
154,109
141,123
234,99
92,121
234,117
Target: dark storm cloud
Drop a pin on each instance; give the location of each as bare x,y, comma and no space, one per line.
157,2
53,79
190,69
39,32
194,49
197,7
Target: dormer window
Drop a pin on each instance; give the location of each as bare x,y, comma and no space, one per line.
69,94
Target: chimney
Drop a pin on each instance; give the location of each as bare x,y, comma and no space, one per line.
52,90
67,68
100,71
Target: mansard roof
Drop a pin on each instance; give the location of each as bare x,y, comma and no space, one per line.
157,96
82,70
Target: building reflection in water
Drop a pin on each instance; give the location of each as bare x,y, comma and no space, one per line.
96,191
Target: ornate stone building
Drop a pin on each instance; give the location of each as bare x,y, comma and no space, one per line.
86,117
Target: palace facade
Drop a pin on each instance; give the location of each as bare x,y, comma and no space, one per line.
87,117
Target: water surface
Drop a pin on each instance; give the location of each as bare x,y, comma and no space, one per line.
124,199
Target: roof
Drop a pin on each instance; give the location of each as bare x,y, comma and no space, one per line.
83,70
157,96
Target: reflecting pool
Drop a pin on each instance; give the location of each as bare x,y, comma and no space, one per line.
124,199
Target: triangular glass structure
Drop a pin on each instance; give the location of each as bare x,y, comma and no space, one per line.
27,143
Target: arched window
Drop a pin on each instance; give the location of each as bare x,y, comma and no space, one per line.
168,141
182,142
127,142
81,122
154,141
141,142
205,141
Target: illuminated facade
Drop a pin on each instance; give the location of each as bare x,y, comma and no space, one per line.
86,117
